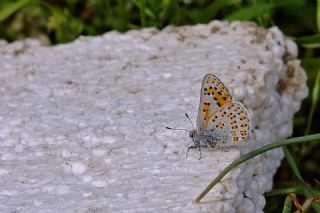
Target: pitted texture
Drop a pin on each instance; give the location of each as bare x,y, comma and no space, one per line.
82,124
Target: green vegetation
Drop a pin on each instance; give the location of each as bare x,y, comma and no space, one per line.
58,21
310,138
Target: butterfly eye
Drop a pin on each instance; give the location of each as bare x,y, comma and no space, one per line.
191,134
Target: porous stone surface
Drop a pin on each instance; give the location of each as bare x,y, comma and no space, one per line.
82,124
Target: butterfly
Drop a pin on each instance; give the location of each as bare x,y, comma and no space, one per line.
220,120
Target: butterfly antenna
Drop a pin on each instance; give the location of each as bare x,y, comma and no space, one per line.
177,129
190,120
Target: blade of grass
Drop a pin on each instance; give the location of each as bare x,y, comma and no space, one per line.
12,7
141,6
214,7
308,40
254,153
311,62
250,12
296,202
299,190
292,164
287,205
316,207
259,18
314,101
311,46
318,15
308,192
306,205
284,191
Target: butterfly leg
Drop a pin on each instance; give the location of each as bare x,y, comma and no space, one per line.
210,142
201,146
190,147
199,152
195,146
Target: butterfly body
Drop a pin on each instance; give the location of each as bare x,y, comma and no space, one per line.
208,137
220,119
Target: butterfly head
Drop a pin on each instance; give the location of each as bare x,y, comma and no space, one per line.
193,134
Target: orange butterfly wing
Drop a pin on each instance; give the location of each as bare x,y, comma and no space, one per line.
214,95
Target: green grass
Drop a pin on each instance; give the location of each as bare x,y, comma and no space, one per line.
57,21
284,143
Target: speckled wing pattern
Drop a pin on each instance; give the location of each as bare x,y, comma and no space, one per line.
232,120
213,96
218,111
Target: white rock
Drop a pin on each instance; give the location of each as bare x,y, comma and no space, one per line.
3,171
87,178
62,189
78,168
246,206
67,169
107,160
88,194
98,184
86,120
7,157
66,153
98,152
19,148
109,140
